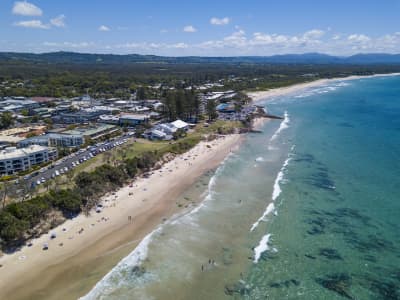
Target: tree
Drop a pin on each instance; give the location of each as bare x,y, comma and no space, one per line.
170,106
211,109
140,93
6,120
4,191
179,133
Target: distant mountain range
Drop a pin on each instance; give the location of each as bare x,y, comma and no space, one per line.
307,58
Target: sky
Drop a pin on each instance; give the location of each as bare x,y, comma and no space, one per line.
201,27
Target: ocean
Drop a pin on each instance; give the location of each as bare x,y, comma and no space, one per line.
307,209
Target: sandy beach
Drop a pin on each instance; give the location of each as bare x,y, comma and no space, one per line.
269,94
128,215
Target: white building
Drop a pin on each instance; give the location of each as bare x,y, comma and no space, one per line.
179,124
166,128
13,160
54,140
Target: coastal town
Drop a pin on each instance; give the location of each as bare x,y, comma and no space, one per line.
67,164
47,143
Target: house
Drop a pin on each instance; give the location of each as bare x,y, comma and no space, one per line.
179,124
157,135
167,128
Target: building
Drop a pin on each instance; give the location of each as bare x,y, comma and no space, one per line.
109,119
226,108
17,104
179,124
13,160
167,128
15,135
155,134
133,119
54,140
78,117
140,109
93,132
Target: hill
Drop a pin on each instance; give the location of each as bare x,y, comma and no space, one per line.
307,58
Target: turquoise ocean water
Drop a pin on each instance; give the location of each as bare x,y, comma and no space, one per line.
307,209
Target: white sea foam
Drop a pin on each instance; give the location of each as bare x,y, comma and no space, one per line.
270,209
275,193
260,159
342,83
277,188
284,125
115,278
262,247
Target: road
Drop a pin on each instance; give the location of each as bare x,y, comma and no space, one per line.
57,168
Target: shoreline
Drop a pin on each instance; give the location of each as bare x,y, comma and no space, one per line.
276,92
55,273
125,220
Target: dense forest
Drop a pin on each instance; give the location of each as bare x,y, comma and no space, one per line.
69,74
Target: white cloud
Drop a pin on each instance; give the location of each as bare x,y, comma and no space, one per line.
25,8
220,21
104,28
163,30
240,43
236,39
58,21
32,24
313,34
189,28
180,46
69,45
358,38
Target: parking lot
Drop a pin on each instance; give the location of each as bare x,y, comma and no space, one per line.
64,165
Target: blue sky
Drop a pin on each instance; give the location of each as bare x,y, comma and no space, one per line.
189,27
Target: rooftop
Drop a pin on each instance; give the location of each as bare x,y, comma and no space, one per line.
89,131
12,152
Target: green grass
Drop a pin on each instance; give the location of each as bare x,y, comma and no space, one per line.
214,126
